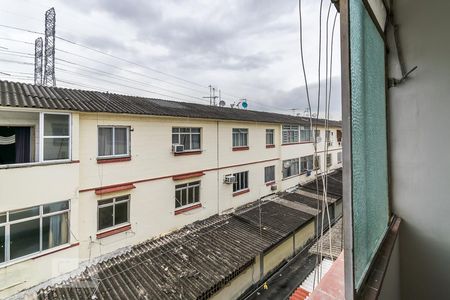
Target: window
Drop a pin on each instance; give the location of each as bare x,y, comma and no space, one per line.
240,137
113,141
16,144
317,163
187,194
113,212
269,136
296,133
328,137
317,135
339,157
305,134
329,160
241,182
306,163
55,130
188,137
269,174
31,230
290,134
290,167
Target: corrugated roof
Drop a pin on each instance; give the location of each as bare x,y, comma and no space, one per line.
15,94
192,263
334,183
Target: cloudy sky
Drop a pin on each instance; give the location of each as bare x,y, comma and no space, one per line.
175,49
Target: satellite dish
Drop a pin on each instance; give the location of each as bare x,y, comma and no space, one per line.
222,103
244,104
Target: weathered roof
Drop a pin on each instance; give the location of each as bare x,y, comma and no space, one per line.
15,94
191,263
334,183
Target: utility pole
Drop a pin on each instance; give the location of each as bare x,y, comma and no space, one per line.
212,95
38,61
49,52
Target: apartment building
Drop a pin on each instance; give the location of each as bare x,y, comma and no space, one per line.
84,173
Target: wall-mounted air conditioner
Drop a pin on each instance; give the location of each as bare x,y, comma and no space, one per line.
273,187
177,148
229,179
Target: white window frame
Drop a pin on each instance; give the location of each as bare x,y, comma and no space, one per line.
292,134
190,134
42,137
331,160
265,173
189,185
40,216
270,132
309,160
240,132
293,160
339,157
241,185
128,128
113,203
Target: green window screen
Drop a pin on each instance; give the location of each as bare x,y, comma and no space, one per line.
369,145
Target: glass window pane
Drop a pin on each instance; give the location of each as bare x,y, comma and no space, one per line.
105,140
196,141
185,139
101,202
24,238
56,125
195,130
121,213
197,194
121,141
56,148
175,138
55,231
2,244
121,198
2,218
184,196
49,208
175,129
24,213
177,199
105,217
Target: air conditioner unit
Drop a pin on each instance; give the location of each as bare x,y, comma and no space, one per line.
177,148
229,179
273,187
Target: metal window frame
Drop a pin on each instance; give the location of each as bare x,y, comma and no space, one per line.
240,133
242,181
42,137
272,177
113,204
40,216
190,134
271,134
292,160
292,133
113,141
346,141
187,186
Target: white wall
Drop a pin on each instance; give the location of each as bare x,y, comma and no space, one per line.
420,156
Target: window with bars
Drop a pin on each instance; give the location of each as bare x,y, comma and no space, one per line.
113,212
240,137
31,230
306,163
113,141
269,174
290,134
190,138
290,167
317,135
187,194
241,182
269,136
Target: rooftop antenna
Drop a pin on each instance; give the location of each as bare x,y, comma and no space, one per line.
212,97
38,61
49,52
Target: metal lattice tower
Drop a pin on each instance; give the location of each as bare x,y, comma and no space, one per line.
38,44
49,52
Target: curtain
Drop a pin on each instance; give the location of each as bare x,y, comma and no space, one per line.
22,144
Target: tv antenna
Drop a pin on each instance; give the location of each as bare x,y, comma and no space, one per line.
212,95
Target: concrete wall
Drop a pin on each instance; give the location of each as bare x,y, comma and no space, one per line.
391,282
152,204
420,156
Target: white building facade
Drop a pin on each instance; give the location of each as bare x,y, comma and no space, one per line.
76,185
